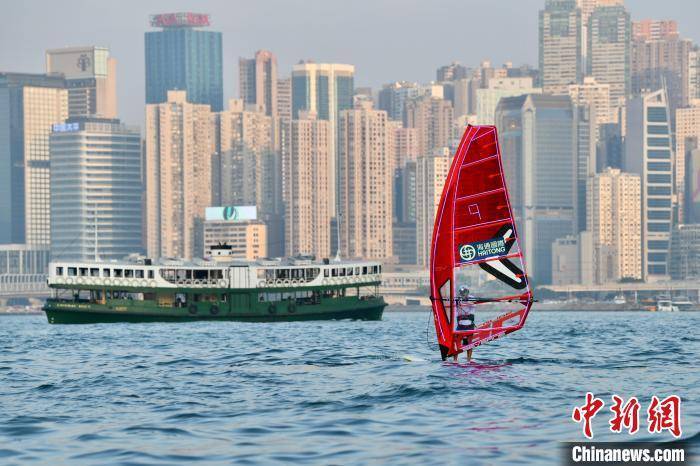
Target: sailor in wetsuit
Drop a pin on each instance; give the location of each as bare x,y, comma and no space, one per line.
465,316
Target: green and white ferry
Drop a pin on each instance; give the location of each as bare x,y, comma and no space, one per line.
218,289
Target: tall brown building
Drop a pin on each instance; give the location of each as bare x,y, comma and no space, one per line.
249,170
432,118
306,186
179,148
660,58
91,81
365,167
258,81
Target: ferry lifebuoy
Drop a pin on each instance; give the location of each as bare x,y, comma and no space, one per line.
272,309
214,310
192,309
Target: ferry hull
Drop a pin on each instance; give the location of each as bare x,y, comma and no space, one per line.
66,314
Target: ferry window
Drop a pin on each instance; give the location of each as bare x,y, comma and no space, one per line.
325,272
357,271
380,269
138,273
94,272
118,273
350,271
83,271
200,274
342,272
105,272
150,274
224,298
217,274
128,273
261,297
270,274
261,274
59,270
334,272
364,270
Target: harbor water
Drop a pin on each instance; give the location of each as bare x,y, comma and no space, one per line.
344,392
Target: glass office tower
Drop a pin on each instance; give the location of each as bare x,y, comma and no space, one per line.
182,57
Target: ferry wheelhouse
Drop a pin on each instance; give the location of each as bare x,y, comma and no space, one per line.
219,289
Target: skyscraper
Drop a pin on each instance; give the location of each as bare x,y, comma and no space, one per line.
648,153
29,105
182,57
608,56
250,167
325,89
614,221
179,148
284,98
595,95
366,169
660,58
540,162
451,72
687,127
431,173
432,118
585,130
487,98
392,97
91,79
560,46
307,188
96,189
258,81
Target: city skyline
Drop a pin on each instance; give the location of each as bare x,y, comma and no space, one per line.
288,31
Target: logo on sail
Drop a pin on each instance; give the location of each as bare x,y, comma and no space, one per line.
482,249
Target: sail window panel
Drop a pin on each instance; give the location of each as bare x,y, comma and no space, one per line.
482,146
488,208
480,178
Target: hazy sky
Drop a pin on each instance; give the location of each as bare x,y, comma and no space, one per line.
386,40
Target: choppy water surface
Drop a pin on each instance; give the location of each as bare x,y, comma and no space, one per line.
327,392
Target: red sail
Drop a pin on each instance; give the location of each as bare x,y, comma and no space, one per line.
475,245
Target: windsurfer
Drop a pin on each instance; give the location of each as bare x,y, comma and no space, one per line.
465,316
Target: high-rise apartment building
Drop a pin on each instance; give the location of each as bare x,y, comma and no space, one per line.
307,188
431,173
366,169
96,189
596,96
392,97
325,89
258,81
451,72
250,167
560,46
648,153
284,99
432,118
179,149
487,98
509,123
694,73
609,50
91,80
687,127
181,56
660,58
29,105
404,143
615,223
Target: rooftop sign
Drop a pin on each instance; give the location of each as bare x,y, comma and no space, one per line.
231,213
174,20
